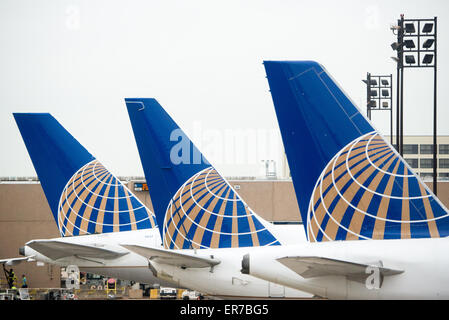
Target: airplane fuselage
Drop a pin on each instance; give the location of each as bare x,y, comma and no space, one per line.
225,280
127,267
425,263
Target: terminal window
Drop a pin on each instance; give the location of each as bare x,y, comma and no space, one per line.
444,148
426,176
426,163
410,149
412,162
426,148
444,163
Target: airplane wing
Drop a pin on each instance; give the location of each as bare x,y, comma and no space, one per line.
172,258
55,249
312,267
15,261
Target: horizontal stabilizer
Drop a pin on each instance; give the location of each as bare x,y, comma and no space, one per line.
15,261
54,250
172,258
313,267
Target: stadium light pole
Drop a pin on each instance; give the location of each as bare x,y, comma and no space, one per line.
419,54
379,96
399,61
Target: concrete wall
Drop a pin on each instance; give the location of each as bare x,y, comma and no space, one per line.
25,215
273,200
442,191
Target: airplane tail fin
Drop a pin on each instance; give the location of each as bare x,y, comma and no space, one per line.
195,205
84,197
349,181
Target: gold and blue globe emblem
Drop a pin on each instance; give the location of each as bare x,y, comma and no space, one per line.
94,201
368,192
206,212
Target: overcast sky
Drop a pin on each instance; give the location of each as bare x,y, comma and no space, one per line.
202,60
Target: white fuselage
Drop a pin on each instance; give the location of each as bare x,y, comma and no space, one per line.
425,263
127,267
224,280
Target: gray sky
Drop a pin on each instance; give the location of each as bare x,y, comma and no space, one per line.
202,60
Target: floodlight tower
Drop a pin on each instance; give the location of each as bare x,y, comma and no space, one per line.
379,96
419,54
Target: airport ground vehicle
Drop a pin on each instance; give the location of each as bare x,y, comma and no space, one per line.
168,293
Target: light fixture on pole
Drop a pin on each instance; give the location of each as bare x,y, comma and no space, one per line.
419,54
379,96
